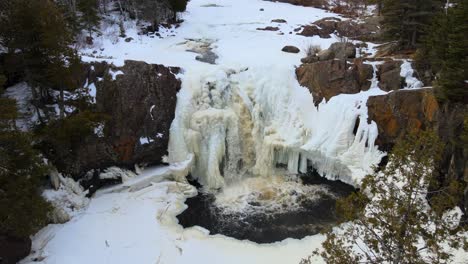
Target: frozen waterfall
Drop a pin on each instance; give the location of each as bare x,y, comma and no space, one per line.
245,122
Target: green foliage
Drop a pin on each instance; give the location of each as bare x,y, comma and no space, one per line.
390,220
406,21
38,32
452,47
90,18
178,5
22,209
70,132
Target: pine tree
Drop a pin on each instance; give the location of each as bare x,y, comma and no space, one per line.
452,54
406,21
90,18
22,209
178,6
390,220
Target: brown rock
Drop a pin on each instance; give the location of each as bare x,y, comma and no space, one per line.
279,21
139,103
269,28
291,49
313,30
326,54
402,112
343,50
310,59
142,104
325,79
309,3
388,74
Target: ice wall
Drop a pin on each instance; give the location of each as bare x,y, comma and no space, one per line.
244,122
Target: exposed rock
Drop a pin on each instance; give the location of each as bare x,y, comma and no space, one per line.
402,112
367,30
411,111
310,59
343,50
388,74
279,21
326,54
309,3
128,39
291,49
142,104
325,79
269,28
327,25
139,100
451,124
13,249
313,30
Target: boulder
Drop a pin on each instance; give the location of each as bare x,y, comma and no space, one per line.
308,3
279,21
402,112
13,249
388,74
313,30
269,28
326,79
326,54
291,49
310,59
343,50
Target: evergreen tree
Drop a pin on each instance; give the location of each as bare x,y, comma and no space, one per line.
22,209
390,220
451,48
90,18
178,6
406,21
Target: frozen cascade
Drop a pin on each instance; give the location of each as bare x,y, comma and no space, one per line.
243,123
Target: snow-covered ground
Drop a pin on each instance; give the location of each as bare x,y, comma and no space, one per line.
135,222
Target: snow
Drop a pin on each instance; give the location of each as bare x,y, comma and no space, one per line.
114,74
144,140
22,93
407,72
138,225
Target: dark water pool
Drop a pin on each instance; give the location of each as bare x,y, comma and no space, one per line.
306,217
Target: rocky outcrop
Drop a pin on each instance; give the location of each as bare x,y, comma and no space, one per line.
410,111
343,50
367,30
388,75
138,102
326,79
309,3
13,249
141,102
402,112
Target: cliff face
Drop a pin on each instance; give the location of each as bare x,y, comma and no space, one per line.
402,112
138,101
411,111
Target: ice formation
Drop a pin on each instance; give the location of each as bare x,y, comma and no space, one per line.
245,122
